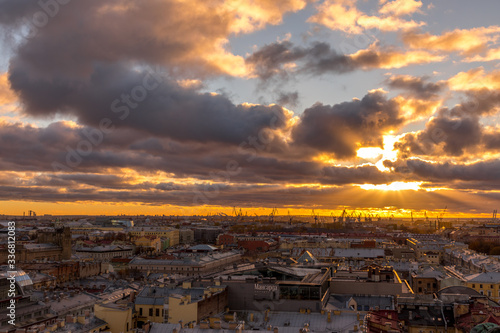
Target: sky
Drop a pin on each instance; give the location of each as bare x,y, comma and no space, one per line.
183,107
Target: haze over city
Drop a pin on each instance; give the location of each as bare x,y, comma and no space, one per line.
199,107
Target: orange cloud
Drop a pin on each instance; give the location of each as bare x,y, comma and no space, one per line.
7,96
344,15
467,42
491,55
253,15
392,58
400,7
475,79
417,109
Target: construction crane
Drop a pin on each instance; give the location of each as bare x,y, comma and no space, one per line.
441,215
273,213
289,218
342,217
315,217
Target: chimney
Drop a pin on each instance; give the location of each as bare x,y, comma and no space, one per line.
275,330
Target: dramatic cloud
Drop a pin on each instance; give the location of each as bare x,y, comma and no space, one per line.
442,135
416,86
115,102
7,96
345,16
475,79
479,171
281,58
65,147
145,101
340,129
467,42
400,7
189,37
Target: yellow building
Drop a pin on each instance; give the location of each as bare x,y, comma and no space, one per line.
487,283
186,304
151,242
172,234
182,308
118,316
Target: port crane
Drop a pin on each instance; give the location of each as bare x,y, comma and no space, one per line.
274,212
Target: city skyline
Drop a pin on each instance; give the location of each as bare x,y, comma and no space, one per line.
194,107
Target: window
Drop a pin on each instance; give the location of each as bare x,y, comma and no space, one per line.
473,285
491,286
481,286
157,312
151,312
489,293
140,311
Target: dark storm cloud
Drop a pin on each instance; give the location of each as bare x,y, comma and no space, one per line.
13,11
442,135
24,148
478,103
290,99
80,33
416,86
269,60
479,171
280,58
166,109
338,129
89,61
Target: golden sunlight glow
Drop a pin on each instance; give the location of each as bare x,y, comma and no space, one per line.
6,94
369,153
378,155
393,58
475,79
395,186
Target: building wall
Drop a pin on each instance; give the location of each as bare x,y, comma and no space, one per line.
182,309
492,290
186,236
366,288
152,313
185,268
87,269
60,237
173,234
107,255
213,304
118,319
425,285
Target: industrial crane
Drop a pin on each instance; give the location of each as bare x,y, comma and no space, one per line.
315,217
273,213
